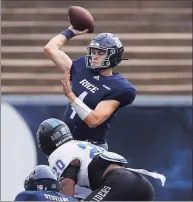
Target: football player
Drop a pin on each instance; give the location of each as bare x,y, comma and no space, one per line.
85,164
97,93
42,185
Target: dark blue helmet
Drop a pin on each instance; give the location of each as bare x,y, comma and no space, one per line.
51,134
111,44
42,178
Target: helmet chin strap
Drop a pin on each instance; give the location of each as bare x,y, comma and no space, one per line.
101,71
98,70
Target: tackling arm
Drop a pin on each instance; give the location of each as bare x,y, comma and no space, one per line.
67,187
69,178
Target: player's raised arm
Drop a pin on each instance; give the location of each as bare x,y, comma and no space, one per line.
80,19
53,48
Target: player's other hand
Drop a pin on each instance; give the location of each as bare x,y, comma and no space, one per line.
77,32
67,89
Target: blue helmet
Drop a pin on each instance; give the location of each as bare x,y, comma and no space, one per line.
42,178
111,44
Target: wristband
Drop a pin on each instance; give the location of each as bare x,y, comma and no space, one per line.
68,34
81,109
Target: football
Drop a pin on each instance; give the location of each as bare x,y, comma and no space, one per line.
81,19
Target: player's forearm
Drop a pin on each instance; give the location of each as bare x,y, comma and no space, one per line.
88,115
59,41
56,42
92,120
67,187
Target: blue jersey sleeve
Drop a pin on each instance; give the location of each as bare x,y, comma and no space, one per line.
77,66
125,97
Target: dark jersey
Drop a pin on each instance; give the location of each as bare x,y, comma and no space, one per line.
92,88
42,196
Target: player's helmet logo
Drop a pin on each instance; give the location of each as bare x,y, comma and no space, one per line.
111,45
42,178
40,187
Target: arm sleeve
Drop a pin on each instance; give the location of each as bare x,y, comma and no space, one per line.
71,172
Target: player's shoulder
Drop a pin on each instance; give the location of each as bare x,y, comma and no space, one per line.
120,82
19,196
78,65
69,147
24,196
120,89
79,61
63,147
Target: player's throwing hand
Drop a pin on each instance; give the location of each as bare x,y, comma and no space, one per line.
77,32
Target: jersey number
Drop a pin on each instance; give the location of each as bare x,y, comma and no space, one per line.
81,97
59,167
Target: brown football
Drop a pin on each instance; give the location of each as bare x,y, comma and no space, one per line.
80,18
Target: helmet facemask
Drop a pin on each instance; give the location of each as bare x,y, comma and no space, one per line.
103,54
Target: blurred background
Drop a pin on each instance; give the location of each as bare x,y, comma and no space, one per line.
154,133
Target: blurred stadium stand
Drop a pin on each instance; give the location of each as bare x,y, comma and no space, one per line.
157,36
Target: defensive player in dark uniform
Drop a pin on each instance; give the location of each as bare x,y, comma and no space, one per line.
42,185
96,93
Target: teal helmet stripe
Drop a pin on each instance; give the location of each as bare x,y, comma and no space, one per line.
52,122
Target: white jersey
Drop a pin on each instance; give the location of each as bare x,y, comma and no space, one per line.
84,151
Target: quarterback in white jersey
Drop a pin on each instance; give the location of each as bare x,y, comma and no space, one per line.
85,164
